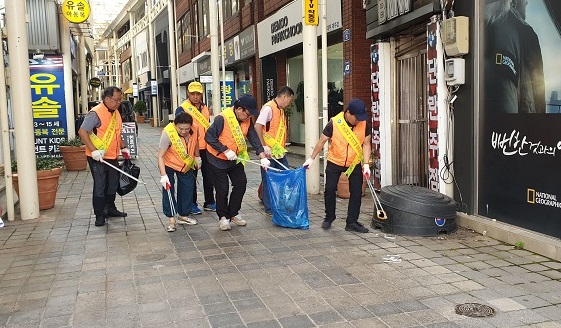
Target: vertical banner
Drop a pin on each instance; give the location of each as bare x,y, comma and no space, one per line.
269,79
520,142
432,99
129,134
375,98
48,104
227,94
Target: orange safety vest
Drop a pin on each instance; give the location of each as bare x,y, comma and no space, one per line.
112,152
171,157
339,152
227,138
196,126
278,115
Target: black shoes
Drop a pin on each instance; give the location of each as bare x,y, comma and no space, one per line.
99,220
115,213
326,224
357,227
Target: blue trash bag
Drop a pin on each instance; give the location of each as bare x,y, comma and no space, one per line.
289,200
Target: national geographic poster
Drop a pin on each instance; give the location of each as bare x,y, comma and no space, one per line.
48,104
520,166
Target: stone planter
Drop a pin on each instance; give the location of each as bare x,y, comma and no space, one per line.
139,118
74,157
47,184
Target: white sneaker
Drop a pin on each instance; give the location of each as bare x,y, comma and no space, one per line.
238,220
224,224
186,220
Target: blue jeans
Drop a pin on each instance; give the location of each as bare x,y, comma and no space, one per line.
184,202
266,196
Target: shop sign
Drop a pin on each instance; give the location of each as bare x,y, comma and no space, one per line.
186,73
154,88
432,81
311,12
205,79
390,9
375,97
135,90
269,76
347,67
247,43
284,29
76,11
95,82
226,94
48,104
203,66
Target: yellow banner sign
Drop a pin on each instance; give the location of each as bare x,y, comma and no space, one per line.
76,11
311,12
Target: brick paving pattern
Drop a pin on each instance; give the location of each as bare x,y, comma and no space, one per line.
62,271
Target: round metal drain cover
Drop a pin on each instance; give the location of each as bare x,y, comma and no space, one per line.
150,257
475,310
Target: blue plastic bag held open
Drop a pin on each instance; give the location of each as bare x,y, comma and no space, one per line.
289,200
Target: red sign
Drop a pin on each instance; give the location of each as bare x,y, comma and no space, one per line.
375,97
432,98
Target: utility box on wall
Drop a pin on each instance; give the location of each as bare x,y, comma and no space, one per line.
43,28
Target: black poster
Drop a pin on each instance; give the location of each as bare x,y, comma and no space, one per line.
269,82
521,114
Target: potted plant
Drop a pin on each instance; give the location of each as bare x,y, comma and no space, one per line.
48,174
74,154
140,109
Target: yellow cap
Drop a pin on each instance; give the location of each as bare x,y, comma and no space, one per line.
195,87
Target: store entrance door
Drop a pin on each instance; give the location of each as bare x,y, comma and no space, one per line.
412,129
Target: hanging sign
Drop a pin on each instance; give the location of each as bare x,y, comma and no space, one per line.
311,15
76,11
95,82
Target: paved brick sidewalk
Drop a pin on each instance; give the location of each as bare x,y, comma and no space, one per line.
62,271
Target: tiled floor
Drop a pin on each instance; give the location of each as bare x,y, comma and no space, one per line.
61,270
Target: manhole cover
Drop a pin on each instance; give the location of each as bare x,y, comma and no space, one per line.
475,310
150,257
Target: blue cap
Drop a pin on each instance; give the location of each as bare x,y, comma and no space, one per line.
357,108
248,102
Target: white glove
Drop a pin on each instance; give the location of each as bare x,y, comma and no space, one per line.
198,162
265,163
125,152
366,171
308,162
97,155
164,181
230,155
267,151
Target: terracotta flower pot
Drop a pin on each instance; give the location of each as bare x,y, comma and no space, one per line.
343,187
74,157
47,184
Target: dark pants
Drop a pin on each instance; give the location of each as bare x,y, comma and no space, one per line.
266,196
106,180
225,208
184,201
208,187
332,174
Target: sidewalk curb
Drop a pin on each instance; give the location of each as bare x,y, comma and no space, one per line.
535,242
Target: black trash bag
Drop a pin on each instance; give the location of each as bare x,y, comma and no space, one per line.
127,184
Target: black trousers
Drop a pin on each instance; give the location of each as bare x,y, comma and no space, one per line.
332,174
106,180
208,186
224,207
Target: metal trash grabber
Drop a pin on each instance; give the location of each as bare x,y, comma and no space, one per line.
281,164
380,213
125,173
263,166
172,207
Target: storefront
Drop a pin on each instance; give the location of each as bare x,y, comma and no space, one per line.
280,35
520,105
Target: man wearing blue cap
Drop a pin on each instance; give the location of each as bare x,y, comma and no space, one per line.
227,155
350,136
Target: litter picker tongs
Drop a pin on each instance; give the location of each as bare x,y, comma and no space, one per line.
380,213
172,207
259,164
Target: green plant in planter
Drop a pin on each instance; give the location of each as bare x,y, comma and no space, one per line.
140,107
72,142
42,163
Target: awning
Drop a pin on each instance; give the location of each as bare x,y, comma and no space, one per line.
129,90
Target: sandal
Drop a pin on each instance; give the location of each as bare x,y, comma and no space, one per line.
171,227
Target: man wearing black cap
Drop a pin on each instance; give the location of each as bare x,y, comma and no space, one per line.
350,136
227,154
